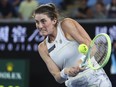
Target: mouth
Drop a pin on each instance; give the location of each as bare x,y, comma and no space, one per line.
42,32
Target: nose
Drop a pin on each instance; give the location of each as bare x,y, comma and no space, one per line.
39,26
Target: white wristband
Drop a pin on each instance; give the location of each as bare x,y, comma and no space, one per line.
83,58
63,75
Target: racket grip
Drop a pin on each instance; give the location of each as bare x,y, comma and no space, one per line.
83,65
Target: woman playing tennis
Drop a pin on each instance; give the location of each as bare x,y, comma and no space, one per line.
59,49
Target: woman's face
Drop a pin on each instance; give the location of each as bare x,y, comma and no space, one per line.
44,24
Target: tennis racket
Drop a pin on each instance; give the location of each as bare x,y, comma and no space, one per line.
98,52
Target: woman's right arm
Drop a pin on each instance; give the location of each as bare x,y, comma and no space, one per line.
52,67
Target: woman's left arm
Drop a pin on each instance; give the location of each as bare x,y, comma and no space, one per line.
74,31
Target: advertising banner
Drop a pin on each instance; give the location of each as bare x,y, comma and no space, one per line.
14,73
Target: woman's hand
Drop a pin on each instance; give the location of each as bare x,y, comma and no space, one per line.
73,71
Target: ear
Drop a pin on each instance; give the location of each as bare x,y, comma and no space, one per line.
55,21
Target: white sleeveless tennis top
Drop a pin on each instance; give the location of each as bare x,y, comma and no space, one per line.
62,51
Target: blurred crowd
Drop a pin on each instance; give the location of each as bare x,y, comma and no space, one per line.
77,9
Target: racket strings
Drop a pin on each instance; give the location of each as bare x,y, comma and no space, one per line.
101,50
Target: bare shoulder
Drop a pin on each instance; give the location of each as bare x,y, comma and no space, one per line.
69,20
69,26
74,31
42,47
66,21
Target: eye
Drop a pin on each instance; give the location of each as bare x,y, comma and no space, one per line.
36,21
43,21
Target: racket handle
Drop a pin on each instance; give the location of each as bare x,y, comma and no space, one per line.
83,65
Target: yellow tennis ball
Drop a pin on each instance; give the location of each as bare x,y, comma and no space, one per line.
83,48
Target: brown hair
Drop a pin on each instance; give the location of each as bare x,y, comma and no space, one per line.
48,9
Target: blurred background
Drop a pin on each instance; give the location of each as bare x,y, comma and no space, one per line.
20,63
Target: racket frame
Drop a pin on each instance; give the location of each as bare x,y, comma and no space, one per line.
89,50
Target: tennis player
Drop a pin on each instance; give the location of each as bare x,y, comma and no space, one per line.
59,49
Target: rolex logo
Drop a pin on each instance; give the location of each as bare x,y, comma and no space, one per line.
10,73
